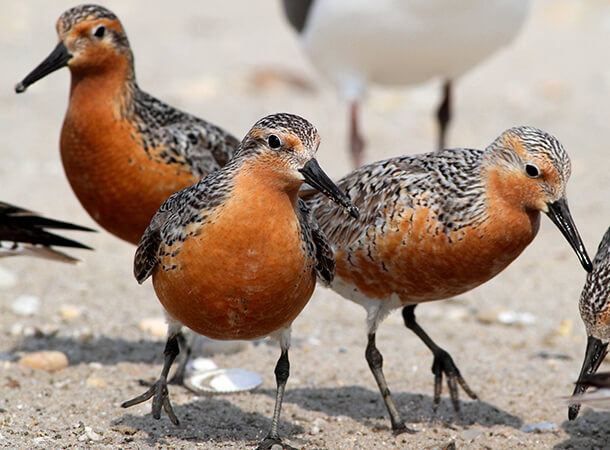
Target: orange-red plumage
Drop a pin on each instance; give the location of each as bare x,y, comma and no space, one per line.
123,151
265,277
236,255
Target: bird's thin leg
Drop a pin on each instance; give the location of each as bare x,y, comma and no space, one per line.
158,391
443,363
186,349
282,371
375,360
443,114
355,138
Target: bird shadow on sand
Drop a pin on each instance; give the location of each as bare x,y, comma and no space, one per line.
364,405
207,419
103,349
216,419
591,430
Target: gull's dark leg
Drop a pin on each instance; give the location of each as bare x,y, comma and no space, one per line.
375,360
355,138
443,363
158,391
443,114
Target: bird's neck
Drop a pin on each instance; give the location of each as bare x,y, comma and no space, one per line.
267,181
510,201
109,86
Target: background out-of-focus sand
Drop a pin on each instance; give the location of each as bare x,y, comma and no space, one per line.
218,60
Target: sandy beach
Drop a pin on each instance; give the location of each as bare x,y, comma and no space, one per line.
232,63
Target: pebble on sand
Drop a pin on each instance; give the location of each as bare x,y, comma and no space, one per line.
26,305
95,382
504,317
539,427
69,312
49,360
157,326
89,435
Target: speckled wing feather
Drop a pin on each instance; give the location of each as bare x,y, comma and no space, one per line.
191,205
317,244
595,296
147,253
447,182
20,225
182,137
23,232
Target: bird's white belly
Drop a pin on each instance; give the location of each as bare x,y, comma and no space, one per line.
406,41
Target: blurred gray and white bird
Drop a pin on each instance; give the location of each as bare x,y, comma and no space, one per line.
400,42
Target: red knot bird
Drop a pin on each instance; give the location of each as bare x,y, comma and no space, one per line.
124,152
438,224
23,232
397,43
236,255
595,313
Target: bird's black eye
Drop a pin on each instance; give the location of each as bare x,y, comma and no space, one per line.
532,171
99,31
274,141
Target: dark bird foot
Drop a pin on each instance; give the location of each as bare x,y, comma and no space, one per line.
399,428
160,395
269,442
443,364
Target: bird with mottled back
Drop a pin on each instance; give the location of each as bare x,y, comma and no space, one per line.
438,224
124,152
237,255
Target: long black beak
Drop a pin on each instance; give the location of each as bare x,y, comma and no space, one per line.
594,355
316,177
559,213
58,58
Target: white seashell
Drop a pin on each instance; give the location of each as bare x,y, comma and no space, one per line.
223,381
